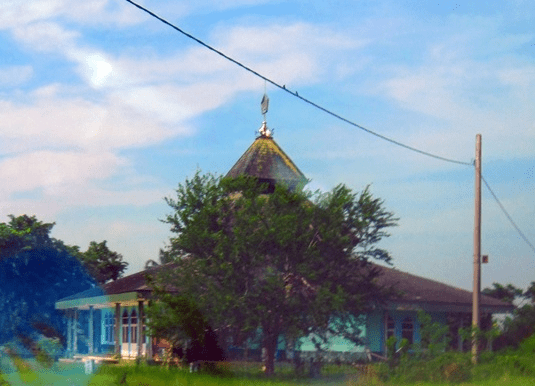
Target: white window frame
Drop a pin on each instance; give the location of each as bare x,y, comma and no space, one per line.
108,327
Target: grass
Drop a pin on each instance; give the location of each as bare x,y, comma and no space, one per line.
235,374
19,371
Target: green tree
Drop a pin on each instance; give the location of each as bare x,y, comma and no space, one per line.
434,336
35,271
101,263
506,293
287,261
530,292
178,320
163,257
24,233
521,324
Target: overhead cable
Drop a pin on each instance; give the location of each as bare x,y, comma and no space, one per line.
325,110
508,216
294,93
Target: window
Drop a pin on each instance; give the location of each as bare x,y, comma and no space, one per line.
111,328
108,331
390,327
407,329
133,327
125,326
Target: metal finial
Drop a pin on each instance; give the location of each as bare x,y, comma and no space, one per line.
264,131
264,105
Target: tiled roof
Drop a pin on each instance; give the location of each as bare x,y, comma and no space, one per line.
416,289
135,282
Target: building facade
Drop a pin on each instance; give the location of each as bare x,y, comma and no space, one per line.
111,319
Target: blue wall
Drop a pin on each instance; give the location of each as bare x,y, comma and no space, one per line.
376,325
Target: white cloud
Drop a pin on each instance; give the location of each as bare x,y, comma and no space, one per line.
54,170
99,68
471,81
46,36
298,52
98,12
169,90
15,13
52,121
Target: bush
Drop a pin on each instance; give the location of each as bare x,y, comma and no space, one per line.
48,350
455,367
527,346
451,367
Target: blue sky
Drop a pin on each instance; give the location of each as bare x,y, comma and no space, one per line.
104,110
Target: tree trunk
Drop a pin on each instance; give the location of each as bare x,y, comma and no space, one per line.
270,346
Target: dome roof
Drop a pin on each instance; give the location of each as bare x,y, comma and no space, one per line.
265,160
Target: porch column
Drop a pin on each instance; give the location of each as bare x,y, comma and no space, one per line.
118,328
75,332
91,331
69,333
149,344
140,329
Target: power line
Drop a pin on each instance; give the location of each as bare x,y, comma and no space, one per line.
294,93
325,110
507,215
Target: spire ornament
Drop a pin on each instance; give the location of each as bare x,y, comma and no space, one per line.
264,131
264,107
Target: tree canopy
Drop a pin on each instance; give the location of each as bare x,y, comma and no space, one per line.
507,293
24,233
290,262
521,324
102,263
36,270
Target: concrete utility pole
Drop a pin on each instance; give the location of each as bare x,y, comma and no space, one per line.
476,295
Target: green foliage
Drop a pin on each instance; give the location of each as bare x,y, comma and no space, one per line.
527,347
31,282
519,327
49,350
164,258
434,337
450,367
36,270
506,293
391,351
23,233
530,292
472,332
427,361
396,354
102,263
177,319
456,367
522,323
491,335
288,261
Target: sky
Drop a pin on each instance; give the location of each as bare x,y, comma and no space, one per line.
104,110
